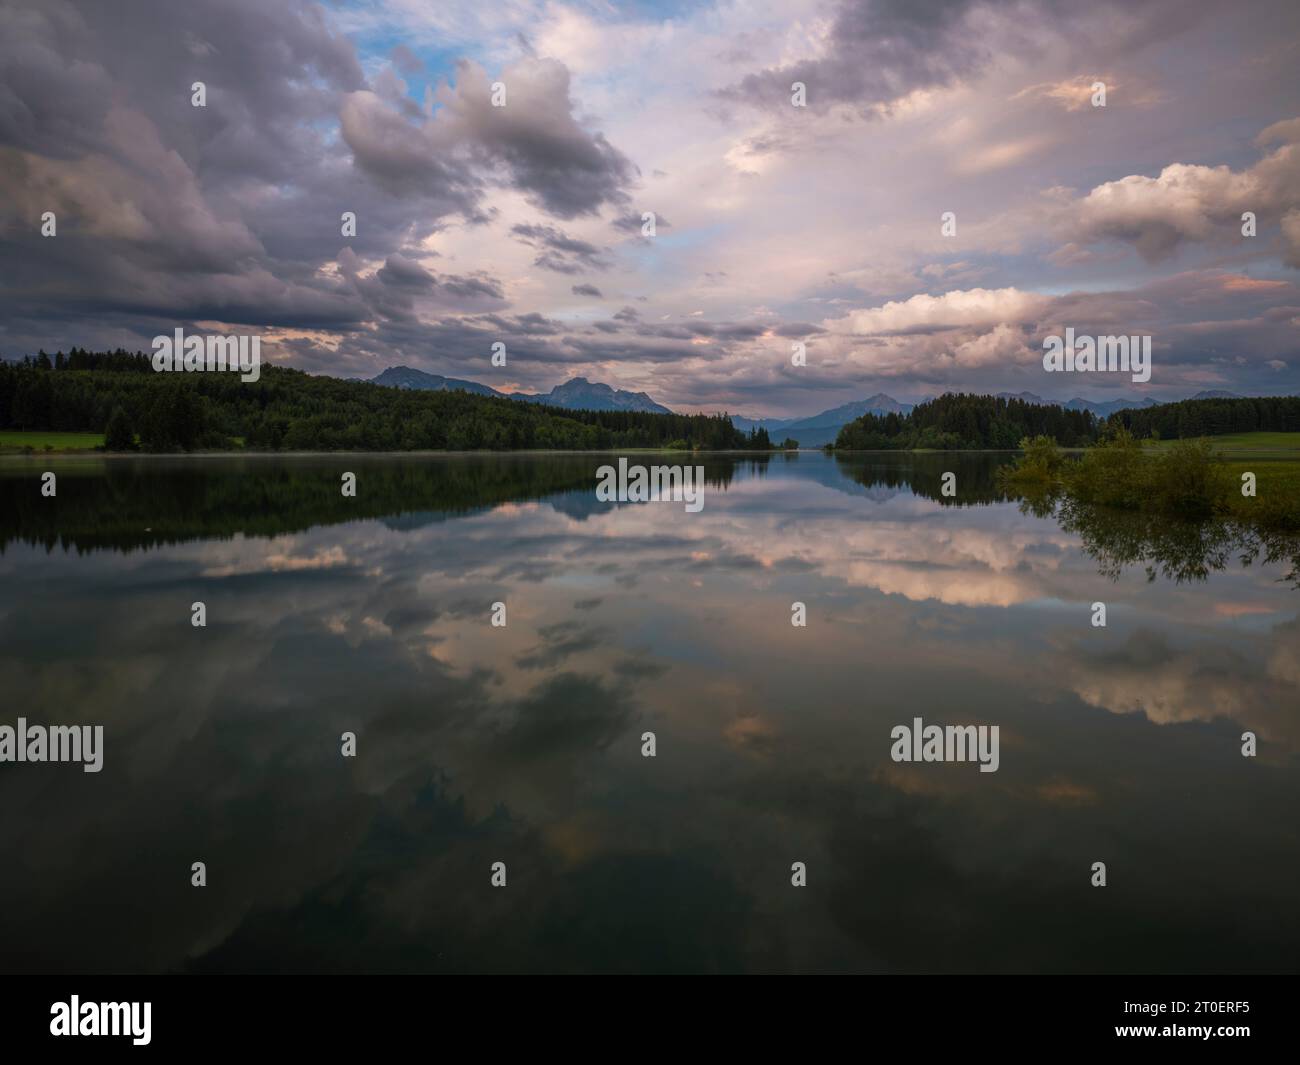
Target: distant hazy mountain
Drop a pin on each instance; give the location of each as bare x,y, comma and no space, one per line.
405,377
576,394
581,394
823,428
1107,408
879,404
813,431
770,424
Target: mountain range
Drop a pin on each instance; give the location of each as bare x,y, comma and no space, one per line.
1109,407
822,428
811,431
575,394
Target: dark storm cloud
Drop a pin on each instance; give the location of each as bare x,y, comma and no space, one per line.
586,290
634,350
878,51
401,279
632,222
267,66
567,170
530,324
171,214
401,272
557,264
456,290
533,138
559,252
459,345
479,284
390,291
168,212
720,330
390,150
541,350
797,329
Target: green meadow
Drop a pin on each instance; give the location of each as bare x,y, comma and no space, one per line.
1244,442
1277,482
13,440
1177,478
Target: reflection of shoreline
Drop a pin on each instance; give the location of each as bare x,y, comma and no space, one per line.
127,503
921,472
11,455
141,502
1180,551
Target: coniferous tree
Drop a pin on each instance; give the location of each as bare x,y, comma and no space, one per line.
118,435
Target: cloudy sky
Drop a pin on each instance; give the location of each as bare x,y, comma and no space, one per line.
775,224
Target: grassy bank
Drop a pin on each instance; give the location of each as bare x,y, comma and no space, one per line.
15,440
1180,479
1263,443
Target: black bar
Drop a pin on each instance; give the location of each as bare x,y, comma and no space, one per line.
347,1014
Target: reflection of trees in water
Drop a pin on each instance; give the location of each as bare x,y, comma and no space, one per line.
134,504
1178,550
922,474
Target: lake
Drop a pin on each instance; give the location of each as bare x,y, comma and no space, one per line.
523,743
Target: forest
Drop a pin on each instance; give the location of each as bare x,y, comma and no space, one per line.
119,394
1211,417
958,421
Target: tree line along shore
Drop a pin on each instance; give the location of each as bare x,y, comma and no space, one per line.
118,394
70,401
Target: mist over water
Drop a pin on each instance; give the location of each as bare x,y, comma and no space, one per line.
522,744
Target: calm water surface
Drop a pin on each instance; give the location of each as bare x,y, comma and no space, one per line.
523,744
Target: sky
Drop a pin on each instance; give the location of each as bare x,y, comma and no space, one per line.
775,224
